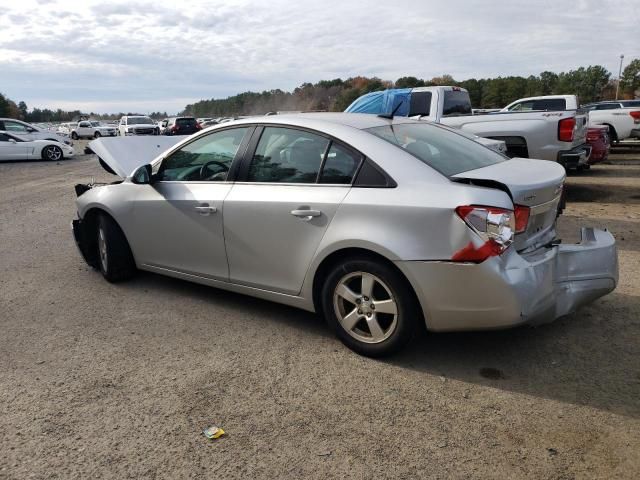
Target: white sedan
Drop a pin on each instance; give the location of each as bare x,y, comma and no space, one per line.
12,147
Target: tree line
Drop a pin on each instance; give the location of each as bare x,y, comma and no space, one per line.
592,83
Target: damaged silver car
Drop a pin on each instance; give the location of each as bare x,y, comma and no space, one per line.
379,224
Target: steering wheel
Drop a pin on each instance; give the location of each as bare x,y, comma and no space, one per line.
204,167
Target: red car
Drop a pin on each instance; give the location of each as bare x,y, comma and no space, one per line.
598,138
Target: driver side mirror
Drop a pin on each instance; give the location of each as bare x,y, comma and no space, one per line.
142,175
12,140
31,130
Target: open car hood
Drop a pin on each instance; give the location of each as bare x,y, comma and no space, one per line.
122,155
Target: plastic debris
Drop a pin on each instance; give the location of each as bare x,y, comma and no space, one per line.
213,432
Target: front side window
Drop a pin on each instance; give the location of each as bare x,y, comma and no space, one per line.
15,127
286,155
447,152
208,158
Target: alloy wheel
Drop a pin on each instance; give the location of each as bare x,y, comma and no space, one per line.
365,307
102,250
53,153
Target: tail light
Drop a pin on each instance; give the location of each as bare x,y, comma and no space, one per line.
174,128
522,217
198,126
565,129
495,226
636,116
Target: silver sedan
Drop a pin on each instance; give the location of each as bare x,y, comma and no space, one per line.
380,225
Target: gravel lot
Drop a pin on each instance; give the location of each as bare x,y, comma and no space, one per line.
118,381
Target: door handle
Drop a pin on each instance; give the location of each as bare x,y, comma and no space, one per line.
206,210
306,214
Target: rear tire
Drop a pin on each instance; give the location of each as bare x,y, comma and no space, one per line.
74,135
97,135
370,306
115,259
613,135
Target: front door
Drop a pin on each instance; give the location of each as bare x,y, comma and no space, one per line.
277,215
177,221
12,148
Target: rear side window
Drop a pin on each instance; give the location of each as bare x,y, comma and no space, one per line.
447,152
550,104
340,165
456,102
286,155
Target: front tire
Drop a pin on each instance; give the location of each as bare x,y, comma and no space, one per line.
370,306
115,259
74,135
52,153
97,135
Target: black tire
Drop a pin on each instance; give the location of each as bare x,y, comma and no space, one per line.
407,312
613,135
74,135
97,135
115,259
52,153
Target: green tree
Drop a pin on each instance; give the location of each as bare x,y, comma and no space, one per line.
23,110
409,82
630,80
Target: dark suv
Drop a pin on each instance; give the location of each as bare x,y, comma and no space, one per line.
181,126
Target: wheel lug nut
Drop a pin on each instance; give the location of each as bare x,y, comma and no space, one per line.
359,312
366,299
373,307
358,301
369,314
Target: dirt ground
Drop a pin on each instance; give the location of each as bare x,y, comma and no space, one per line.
118,381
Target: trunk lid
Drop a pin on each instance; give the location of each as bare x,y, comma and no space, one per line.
536,184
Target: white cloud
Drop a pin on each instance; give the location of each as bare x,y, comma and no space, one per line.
157,55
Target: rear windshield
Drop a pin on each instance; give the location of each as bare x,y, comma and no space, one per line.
139,121
447,152
456,102
186,122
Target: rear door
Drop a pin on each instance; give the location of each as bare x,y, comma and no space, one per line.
291,185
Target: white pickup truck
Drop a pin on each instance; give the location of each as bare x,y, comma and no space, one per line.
91,129
558,135
622,121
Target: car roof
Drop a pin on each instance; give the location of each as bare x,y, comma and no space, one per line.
358,121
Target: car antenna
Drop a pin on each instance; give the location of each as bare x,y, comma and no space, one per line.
389,116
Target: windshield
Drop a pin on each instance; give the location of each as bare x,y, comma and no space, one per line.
139,121
447,152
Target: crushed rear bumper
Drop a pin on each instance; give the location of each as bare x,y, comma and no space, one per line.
515,289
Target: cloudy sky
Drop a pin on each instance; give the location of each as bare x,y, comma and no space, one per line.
141,55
